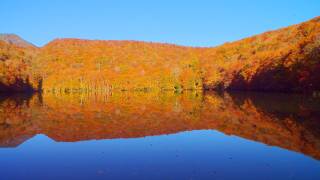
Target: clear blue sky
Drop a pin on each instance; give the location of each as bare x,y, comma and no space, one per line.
194,23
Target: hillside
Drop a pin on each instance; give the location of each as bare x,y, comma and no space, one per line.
287,59
17,70
283,60
122,65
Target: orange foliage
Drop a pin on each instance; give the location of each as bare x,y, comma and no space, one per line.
272,61
16,73
283,60
83,65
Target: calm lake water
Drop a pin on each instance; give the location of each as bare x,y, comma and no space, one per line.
193,135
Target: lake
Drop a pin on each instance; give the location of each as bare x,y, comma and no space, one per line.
160,135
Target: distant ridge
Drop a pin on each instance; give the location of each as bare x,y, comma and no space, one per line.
16,40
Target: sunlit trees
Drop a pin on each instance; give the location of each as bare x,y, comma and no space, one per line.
281,60
287,59
118,65
16,72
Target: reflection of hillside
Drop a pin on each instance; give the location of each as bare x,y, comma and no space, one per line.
15,120
287,121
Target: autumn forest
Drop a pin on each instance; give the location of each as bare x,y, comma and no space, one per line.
286,60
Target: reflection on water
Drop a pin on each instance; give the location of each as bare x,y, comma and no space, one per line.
291,122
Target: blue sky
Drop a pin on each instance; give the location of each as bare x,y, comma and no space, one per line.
183,22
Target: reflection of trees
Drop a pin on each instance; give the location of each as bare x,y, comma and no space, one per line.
287,121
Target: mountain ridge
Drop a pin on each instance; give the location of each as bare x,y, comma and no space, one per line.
16,40
315,19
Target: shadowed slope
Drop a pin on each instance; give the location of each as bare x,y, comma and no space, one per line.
287,59
17,70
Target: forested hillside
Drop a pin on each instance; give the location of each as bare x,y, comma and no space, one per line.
283,60
84,65
287,59
17,70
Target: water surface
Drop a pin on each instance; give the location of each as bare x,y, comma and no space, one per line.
192,135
